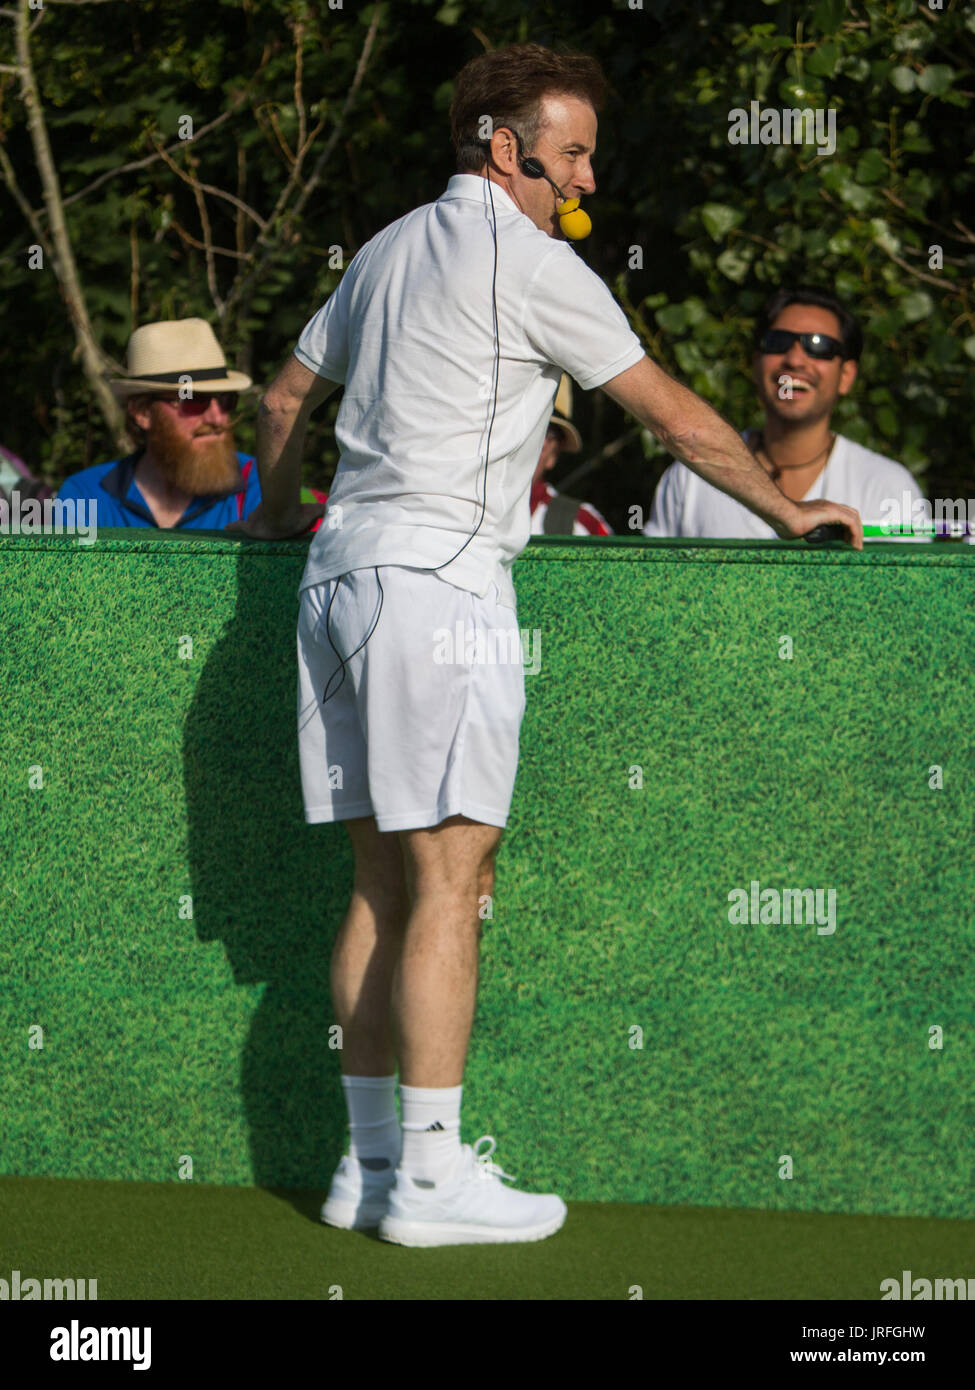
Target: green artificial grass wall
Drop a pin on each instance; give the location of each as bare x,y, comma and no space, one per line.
164,778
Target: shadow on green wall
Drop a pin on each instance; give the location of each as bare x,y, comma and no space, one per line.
272,889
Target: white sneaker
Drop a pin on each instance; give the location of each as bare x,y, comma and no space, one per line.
357,1197
469,1206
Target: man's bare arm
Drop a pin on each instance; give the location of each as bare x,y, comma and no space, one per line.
282,419
693,431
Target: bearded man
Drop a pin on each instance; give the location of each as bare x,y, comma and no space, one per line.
180,398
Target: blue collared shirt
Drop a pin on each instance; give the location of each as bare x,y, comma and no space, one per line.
120,503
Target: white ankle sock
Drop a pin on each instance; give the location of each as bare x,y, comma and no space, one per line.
373,1124
431,1130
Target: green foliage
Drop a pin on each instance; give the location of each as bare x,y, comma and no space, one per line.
863,220
720,225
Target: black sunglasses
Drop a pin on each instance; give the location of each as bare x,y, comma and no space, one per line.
819,345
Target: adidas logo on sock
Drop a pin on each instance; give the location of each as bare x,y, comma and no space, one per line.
436,1125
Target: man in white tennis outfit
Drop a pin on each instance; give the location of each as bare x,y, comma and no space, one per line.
449,330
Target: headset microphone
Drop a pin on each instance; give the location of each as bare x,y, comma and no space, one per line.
576,224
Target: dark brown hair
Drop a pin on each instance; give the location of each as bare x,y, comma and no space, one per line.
508,84
851,334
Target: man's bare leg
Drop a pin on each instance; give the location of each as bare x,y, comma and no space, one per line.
363,962
447,868
424,886
367,949
429,956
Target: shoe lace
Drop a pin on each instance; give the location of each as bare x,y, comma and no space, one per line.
485,1168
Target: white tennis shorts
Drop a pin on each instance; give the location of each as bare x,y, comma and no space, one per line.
425,723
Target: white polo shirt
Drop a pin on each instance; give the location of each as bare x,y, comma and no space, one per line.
684,504
410,332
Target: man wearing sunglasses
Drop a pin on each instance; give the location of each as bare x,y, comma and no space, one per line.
806,356
185,474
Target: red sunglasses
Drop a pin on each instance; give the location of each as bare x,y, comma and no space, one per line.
199,405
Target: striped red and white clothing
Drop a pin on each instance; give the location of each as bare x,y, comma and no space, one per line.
588,522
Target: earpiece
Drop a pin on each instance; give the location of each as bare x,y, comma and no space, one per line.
576,224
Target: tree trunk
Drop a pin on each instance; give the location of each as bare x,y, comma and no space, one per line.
64,265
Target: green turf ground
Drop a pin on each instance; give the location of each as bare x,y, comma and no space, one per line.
169,1241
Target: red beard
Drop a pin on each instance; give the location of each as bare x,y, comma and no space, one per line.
201,469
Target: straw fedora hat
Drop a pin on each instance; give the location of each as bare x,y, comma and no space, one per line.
562,418
159,354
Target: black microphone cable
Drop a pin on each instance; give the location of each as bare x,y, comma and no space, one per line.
426,568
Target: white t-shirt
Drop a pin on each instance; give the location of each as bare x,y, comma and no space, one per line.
410,333
685,505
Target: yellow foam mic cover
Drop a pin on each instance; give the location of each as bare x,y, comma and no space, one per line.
574,222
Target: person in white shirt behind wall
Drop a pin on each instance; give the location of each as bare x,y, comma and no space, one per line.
807,352
449,330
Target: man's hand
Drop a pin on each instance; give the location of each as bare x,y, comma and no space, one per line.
813,514
260,527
